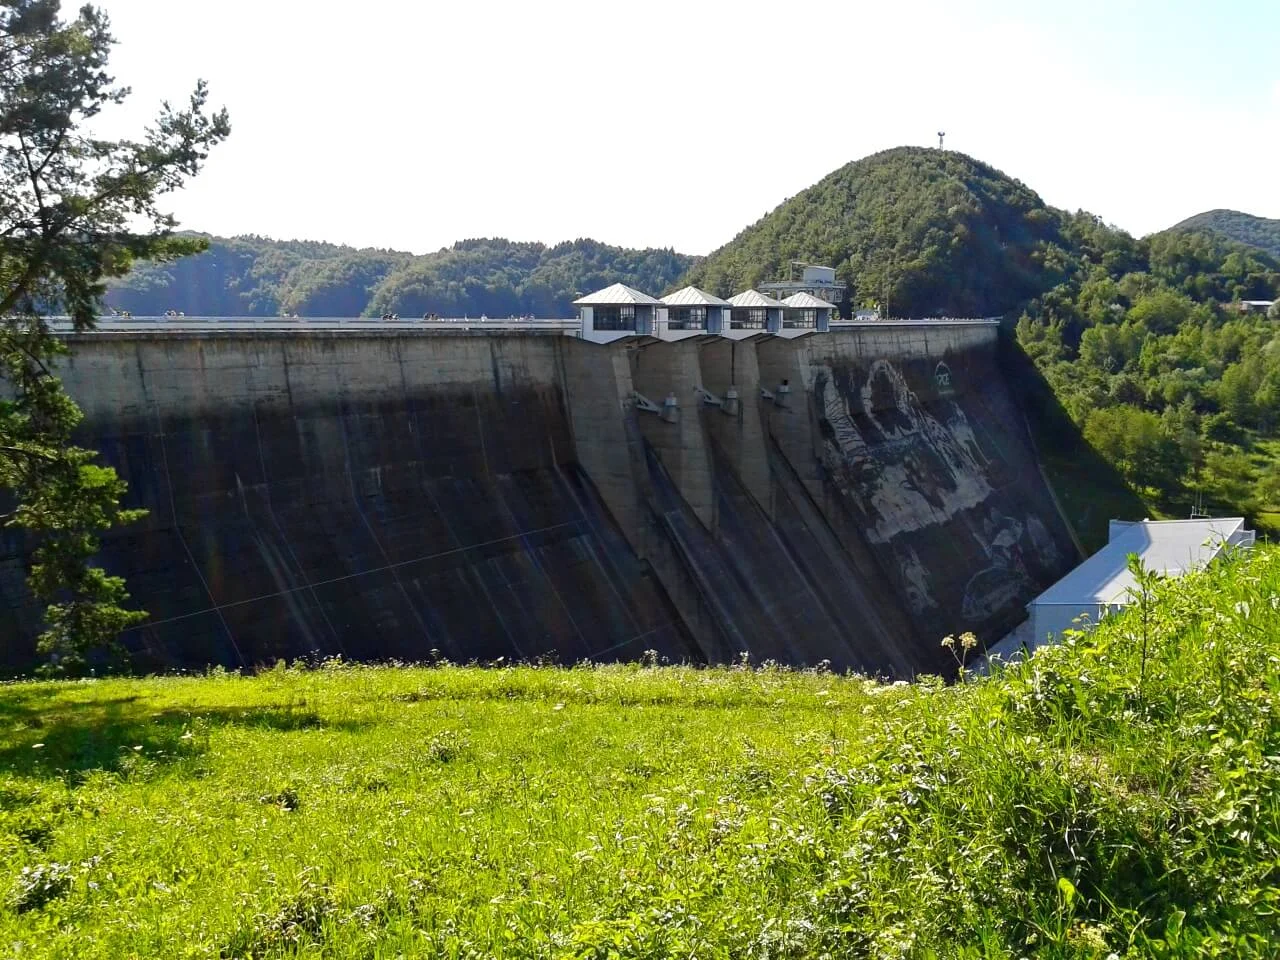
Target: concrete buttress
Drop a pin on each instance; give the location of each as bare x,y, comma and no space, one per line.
670,370
730,365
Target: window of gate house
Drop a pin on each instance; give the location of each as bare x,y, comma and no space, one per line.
752,318
802,318
615,318
688,318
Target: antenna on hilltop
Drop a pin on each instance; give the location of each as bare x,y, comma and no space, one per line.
941,134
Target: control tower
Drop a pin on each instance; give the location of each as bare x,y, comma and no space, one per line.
814,280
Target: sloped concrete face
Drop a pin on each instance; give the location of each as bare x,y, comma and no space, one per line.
375,497
913,445
735,426
397,495
752,587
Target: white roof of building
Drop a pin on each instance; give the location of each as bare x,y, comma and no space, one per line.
1171,547
693,297
1258,303
751,298
618,293
807,301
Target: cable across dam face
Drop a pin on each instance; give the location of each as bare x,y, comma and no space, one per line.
389,493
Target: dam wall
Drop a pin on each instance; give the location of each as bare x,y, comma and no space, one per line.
401,495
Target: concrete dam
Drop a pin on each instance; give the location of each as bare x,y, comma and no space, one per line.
395,494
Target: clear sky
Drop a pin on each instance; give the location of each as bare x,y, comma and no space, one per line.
413,123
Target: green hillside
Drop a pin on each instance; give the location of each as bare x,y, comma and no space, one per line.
1147,363
254,276
1242,227
1119,795
921,231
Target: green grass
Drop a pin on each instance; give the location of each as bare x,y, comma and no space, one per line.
1086,802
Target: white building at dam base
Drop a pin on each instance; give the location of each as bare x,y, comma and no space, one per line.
1103,584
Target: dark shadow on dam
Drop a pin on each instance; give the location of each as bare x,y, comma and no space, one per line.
455,525
776,592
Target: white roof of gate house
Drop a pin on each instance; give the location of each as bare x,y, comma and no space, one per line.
693,297
1171,547
619,293
752,298
807,301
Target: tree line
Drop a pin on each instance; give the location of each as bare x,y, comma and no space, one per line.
255,276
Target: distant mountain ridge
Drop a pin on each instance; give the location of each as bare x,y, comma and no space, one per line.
917,231
256,276
1241,227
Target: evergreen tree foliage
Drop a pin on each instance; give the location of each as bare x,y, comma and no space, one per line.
70,206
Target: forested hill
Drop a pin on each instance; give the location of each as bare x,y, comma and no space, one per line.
500,278
920,231
1242,227
254,276
1170,384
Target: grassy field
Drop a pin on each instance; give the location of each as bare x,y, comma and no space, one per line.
1094,800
